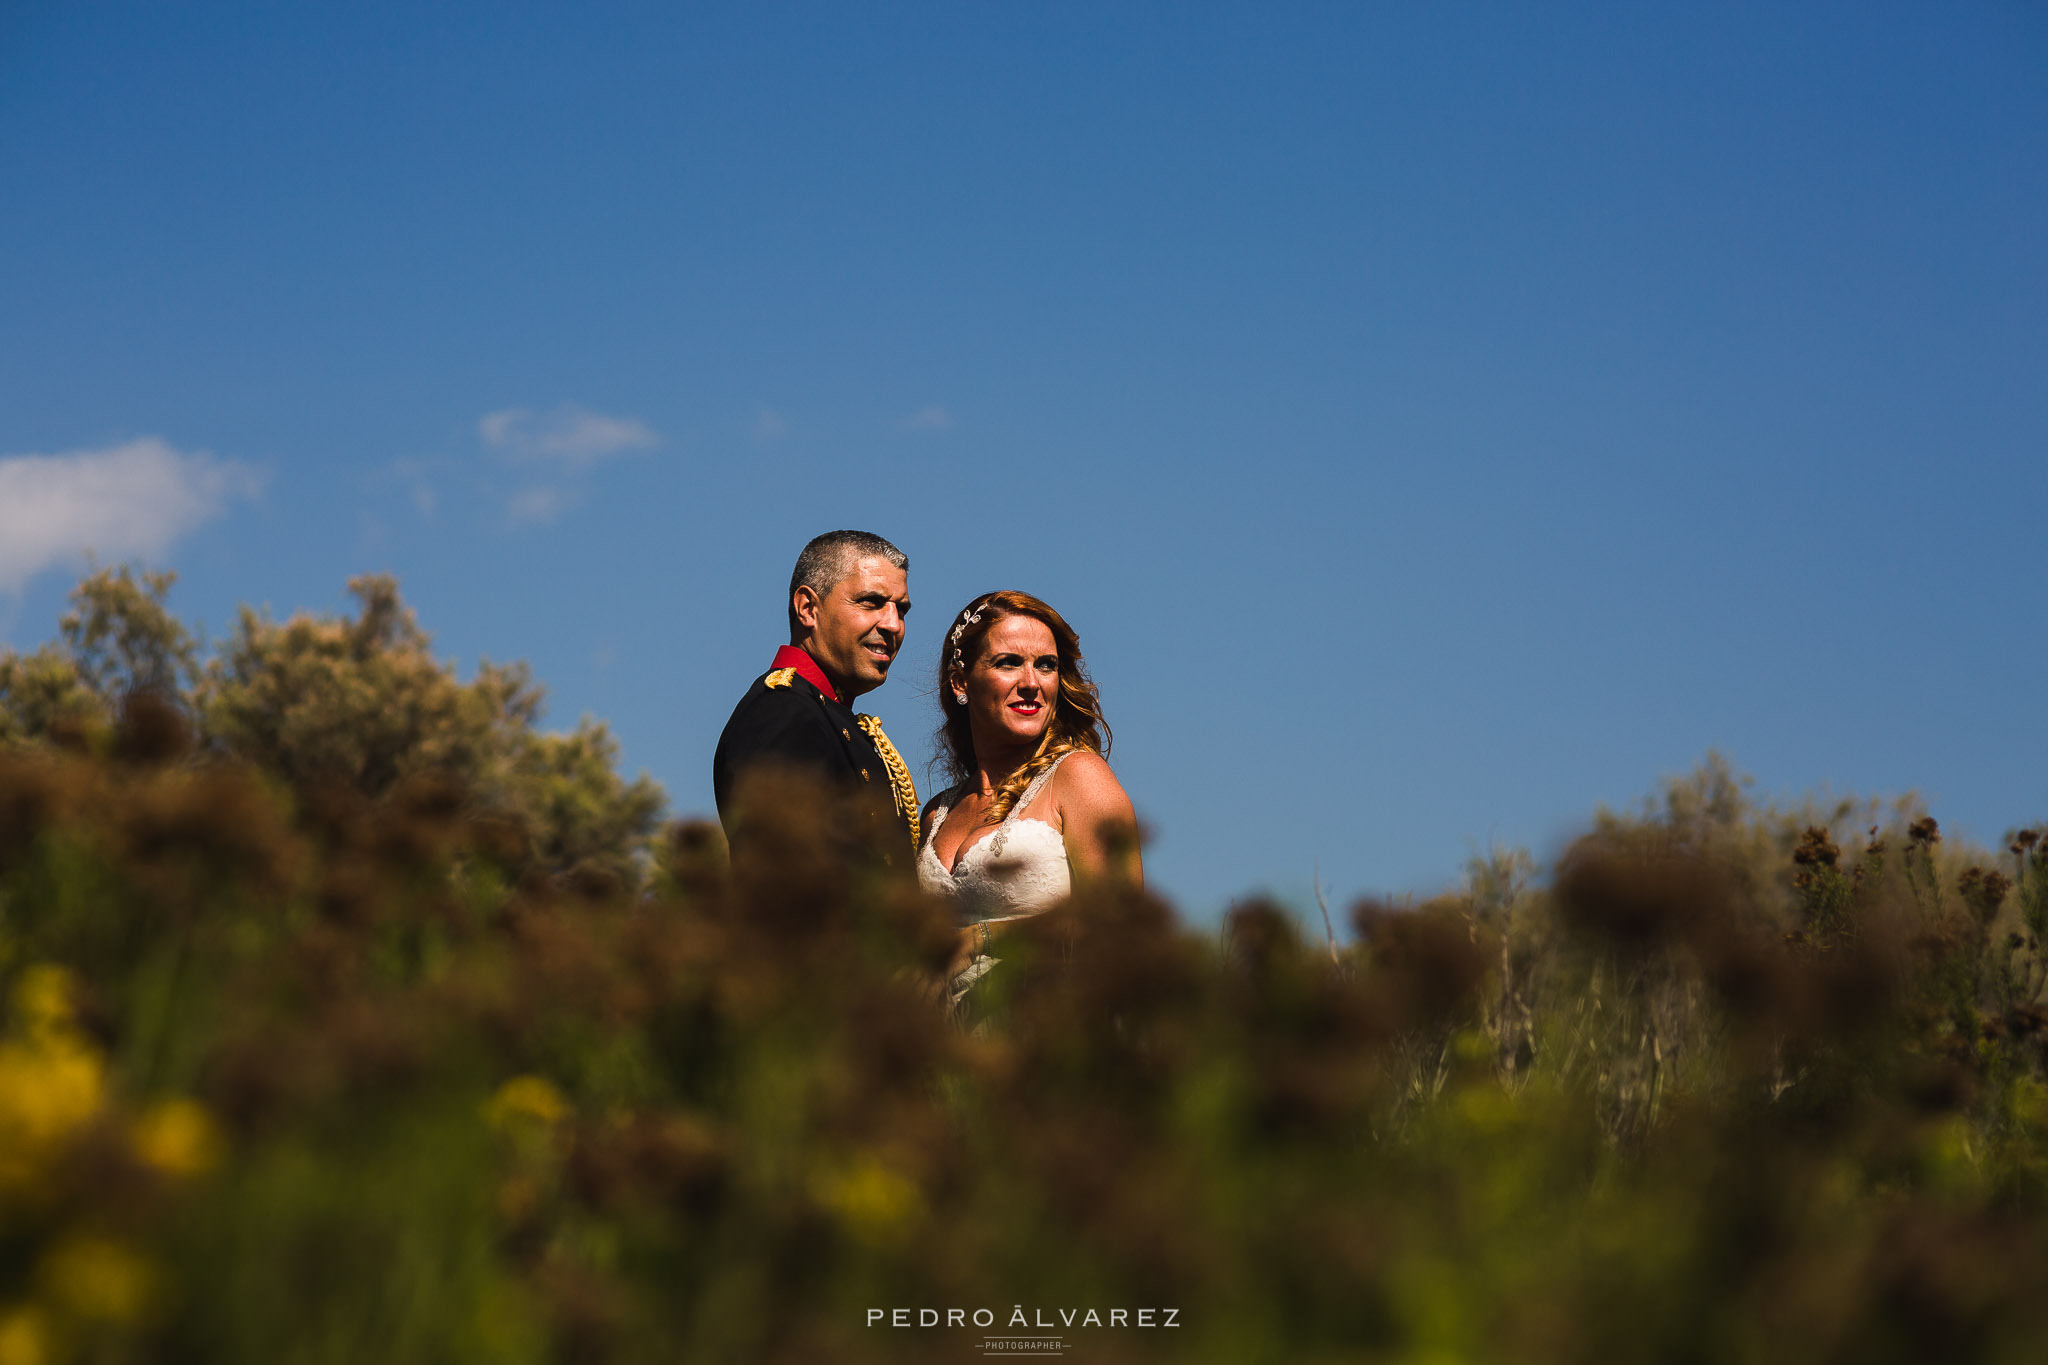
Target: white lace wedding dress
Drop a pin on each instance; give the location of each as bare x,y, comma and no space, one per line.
1018,870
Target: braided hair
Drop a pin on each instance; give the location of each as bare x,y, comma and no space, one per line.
1077,714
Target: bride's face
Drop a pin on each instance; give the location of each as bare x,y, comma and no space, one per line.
1013,687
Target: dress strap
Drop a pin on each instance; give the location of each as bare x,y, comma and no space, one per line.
942,806
1030,793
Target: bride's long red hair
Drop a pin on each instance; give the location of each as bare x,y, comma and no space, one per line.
1076,723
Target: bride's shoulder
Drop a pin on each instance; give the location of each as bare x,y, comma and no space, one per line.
1085,780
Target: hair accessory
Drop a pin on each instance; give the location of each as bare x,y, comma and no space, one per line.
970,615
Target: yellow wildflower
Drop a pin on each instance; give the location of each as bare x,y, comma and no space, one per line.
52,1081
98,1279
525,1099
874,1203
24,1337
41,1002
175,1137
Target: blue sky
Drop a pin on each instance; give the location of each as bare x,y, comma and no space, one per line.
1437,420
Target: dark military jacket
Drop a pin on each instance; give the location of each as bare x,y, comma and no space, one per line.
787,719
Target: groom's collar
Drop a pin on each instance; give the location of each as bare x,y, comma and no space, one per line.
789,656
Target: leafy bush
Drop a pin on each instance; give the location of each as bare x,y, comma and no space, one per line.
357,706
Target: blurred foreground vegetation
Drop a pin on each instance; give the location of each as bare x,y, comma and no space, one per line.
351,1018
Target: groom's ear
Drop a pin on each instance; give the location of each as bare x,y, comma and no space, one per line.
803,603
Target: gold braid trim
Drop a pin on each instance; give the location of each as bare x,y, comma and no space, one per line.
900,785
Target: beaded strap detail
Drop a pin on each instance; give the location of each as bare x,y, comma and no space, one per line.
900,785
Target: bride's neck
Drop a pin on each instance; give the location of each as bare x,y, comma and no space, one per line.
995,763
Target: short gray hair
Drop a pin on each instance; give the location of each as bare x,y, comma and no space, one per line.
829,558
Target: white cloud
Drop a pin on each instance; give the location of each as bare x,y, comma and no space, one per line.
426,499
928,419
127,500
575,436
536,506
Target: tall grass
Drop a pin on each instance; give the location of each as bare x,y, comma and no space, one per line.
292,1072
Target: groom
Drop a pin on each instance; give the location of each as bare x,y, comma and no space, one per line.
847,599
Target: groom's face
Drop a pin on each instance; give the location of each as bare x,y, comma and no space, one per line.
856,626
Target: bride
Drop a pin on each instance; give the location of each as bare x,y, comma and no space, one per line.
1034,808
